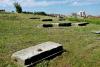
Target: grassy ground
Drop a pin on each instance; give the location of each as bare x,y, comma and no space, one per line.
17,31
90,20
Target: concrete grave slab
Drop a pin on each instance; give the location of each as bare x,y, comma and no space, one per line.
80,24
64,24
34,18
47,25
96,32
47,19
34,54
56,25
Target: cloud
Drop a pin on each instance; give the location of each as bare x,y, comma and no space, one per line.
6,2
84,2
45,3
32,3
80,3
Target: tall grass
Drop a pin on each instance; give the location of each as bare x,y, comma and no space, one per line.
17,32
90,20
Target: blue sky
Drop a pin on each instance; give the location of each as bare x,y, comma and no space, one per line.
55,6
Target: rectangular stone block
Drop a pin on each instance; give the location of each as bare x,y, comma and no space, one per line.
34,54
80,24
34,18
96,32
64,24
47,19
47,25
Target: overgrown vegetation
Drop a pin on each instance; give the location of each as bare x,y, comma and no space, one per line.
17,32
90,20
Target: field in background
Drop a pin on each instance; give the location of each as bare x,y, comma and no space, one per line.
93,20
17,31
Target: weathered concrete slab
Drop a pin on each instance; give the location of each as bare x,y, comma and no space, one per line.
47,19
64,24
47,25
80,24
96,32
31,55
34,18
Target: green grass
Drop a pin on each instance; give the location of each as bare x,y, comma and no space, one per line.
90,20
17,32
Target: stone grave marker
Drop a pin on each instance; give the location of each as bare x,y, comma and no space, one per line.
96,32
35,54
80,24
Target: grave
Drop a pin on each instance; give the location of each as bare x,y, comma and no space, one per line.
34,18
96,32
47,25
64,24
80,24
47,20
35,54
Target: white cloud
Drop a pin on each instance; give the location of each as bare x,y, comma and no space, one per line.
44,3
84,2
6,2
80,3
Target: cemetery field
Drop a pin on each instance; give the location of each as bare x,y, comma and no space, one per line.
17,32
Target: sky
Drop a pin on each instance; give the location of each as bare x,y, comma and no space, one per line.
54,6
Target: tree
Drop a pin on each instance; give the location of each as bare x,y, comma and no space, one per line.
18,7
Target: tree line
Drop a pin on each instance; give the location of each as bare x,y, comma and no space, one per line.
19,10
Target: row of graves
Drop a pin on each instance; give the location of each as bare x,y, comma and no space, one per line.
62,24
66,24
30,56
47,19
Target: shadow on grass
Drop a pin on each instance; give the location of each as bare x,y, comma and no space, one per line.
49,58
